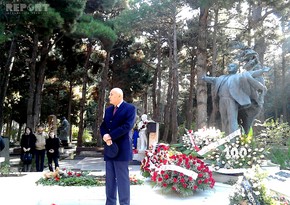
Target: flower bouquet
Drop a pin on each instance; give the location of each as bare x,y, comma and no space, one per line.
192,142
243,152
174,171
66,177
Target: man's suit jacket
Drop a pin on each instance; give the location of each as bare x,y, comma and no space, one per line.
119,126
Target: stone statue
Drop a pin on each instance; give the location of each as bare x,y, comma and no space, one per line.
142,142
235,92
252,64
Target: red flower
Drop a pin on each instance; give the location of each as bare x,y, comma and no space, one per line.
195,187
160,179
164,184
56,179
199,181
69,173
166,176
200,175
175,180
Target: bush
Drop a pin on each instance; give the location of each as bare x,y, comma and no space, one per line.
87,136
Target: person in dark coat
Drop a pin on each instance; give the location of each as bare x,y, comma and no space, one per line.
27,145
117,124
52,150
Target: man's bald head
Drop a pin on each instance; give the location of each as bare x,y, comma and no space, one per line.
116,96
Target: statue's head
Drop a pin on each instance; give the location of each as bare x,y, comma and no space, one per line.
233,68
249,54
144,117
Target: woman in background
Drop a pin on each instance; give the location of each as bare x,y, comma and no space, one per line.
52,150
27,144
41,137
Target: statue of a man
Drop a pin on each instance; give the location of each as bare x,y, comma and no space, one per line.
234,92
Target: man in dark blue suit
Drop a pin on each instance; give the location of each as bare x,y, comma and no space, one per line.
117,124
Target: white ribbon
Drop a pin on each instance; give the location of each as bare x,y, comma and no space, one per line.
218,143
179,169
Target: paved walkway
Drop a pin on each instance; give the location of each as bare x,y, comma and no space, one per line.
24,191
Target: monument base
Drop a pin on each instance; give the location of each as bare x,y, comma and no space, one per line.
227,176
139,156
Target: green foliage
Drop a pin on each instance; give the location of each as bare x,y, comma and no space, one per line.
280,156
276,136
87,136
275,132
4,169
71,178
88,27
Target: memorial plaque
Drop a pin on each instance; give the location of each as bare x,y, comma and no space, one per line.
153,131
279,182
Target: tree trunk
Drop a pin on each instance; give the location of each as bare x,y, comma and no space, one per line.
189,113
214,112
69,109
4,78
40,80
168,107
201,94
84,98
175,91
30,104
101,100
284,101
156,93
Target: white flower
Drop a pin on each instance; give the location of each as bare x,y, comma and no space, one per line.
257,193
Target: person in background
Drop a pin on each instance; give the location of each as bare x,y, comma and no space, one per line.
142,143
27,144
41,137
52,150
116,127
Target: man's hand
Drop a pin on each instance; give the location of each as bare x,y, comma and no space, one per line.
109,142
106,138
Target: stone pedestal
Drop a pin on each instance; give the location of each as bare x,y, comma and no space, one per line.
228,176
139,156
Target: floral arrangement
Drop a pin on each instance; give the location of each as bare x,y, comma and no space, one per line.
192,142
177,172
255,177
66,177
241,152
154,158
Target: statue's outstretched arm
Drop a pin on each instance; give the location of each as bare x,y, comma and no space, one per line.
260,72
209,79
